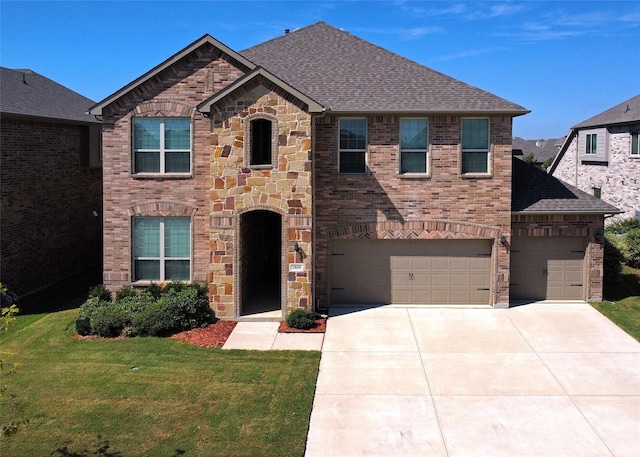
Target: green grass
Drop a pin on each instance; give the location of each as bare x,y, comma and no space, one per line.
151,396
623,302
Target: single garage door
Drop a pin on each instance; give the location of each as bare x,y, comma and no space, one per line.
410,271
547,268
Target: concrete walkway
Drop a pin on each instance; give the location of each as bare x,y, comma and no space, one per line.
264,336
546,379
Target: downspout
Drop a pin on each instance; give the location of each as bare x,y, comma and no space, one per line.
316,301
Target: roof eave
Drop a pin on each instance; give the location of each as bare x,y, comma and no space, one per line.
413,112
96,109
541,213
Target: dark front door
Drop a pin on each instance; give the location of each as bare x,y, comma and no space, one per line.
261,259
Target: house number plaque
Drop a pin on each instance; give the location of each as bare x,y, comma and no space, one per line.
296,267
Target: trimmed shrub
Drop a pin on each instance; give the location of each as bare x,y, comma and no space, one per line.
155,290
126,292
175,312
87,312
101,292
110,321
301,319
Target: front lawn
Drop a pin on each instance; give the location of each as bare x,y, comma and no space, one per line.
622,302
150,396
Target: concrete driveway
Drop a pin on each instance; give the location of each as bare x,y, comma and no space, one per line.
545,379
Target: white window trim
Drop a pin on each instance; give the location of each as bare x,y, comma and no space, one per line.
365,150
489,152
162,151
590,139
414,174
162,258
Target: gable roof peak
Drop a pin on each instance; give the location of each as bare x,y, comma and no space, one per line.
96,110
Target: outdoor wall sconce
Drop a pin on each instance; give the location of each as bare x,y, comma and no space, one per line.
503,240
296,247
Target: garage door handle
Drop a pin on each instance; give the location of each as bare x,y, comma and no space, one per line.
411,277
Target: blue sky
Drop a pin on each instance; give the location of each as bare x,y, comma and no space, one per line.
565,61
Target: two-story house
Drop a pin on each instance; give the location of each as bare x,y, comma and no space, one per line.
50,183
602,156
318,169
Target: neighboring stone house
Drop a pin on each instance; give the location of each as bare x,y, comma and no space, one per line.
542,151
601,156
51,182
317,169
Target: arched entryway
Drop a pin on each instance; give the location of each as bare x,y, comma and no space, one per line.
261,262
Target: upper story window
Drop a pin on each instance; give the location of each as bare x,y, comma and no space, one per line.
260,142
591,143
475,146
414,145
353,145
635,144
162,145
161,248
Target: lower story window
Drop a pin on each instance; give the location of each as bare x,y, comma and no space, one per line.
162,248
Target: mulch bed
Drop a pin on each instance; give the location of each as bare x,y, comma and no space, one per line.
321,325
215,335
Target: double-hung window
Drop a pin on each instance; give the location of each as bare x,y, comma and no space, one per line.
161,248
414,144
591,144
635,144
475,146
162,145
353,145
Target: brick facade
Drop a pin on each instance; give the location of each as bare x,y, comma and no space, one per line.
618,178
173,93
566,225
298,202
49,195
445,205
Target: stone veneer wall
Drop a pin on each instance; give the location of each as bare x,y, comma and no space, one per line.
444,205
284,187
566,225
619,178
175,92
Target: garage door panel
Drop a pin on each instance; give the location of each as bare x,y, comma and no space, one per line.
547,268
417,271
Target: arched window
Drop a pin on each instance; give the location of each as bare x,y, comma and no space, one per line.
261,140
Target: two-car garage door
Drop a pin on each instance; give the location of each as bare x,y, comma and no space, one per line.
410,271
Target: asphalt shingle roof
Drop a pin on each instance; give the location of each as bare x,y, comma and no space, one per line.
348,74
27,93
625,112
535,191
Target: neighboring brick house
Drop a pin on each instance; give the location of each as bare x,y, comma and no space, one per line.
318,169
51,179
601,156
